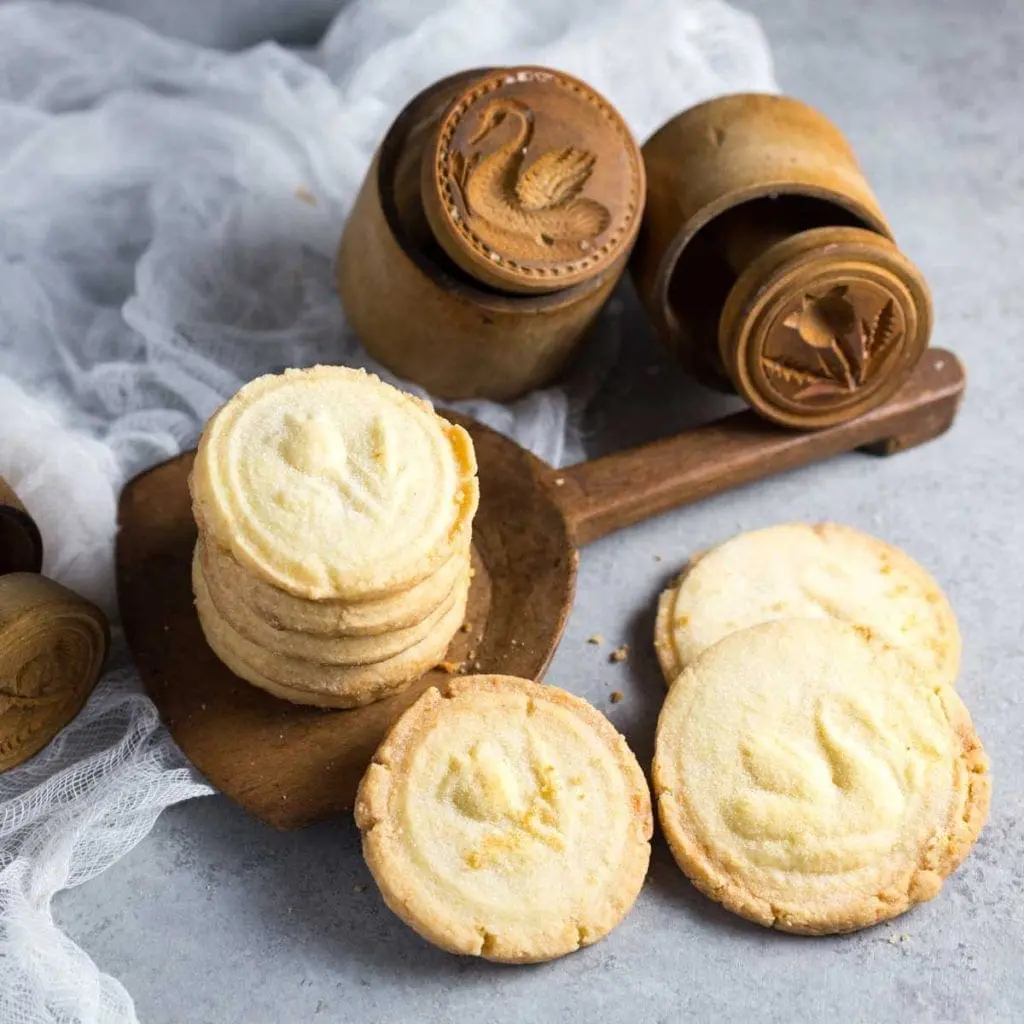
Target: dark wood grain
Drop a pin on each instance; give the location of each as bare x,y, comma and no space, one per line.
622,489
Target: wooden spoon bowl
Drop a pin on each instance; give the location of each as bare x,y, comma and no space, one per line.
291,765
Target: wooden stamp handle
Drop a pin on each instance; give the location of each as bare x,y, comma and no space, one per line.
619,490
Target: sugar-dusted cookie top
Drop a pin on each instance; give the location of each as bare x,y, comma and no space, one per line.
329,483
799,570
809,778
506,819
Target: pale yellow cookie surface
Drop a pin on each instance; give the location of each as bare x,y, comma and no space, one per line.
797,570
329,483
308,682
284,611
506,819
324,650
809,778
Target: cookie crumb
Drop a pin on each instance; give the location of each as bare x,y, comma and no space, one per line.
619,654
616,696
559,481
597,639
304,195
466,627
451,667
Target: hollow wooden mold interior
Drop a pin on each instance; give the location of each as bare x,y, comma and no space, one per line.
753,192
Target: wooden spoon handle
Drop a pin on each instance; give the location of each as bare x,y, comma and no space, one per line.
619,490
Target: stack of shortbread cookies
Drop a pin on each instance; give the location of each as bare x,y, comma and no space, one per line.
814,769
335,520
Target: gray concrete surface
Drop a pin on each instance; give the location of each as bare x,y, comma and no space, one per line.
216,918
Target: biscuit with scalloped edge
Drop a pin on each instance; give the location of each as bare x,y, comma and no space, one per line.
506,819
319,648
808,777
797,570
283,611
330,484
308,682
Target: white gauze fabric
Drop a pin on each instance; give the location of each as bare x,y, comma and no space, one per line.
168,221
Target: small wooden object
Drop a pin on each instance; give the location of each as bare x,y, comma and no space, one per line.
53,644
495,219
291,765
768,267
21,546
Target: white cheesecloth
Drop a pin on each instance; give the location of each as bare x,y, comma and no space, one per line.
168,221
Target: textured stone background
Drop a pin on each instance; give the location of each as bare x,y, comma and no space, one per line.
216,918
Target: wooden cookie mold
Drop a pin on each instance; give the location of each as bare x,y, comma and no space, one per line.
53,643
496,217
768,267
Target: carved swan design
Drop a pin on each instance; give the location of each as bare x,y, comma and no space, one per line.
512,207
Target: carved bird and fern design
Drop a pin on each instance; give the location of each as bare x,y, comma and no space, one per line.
837,350
527,210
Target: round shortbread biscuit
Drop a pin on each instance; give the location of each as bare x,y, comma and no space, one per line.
506,819
324,650
284,611
330,484
797,570
330,686
810,778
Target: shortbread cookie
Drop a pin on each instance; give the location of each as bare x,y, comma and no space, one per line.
803,571
506,819
810,778
327,650
330,484
335,686
285,611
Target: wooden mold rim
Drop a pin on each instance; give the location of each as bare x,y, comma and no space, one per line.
443,171
451,278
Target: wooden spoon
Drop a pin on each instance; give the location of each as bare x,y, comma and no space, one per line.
292,765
